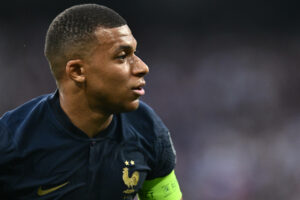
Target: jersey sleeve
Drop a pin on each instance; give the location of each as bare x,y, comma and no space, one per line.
6,150
161,156
165,155
161,182
156,141
5,145
163,188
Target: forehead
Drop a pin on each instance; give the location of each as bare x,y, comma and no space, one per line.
112,38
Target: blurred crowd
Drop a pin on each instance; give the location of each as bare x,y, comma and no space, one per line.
230,99
231,102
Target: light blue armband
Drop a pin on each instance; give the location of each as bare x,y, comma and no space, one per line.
164,188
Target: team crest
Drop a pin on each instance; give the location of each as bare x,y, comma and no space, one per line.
130,181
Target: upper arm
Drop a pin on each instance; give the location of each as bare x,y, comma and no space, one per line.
5,152
6,146
164,157
162,188
161,182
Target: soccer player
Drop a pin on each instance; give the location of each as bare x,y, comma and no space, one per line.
92,139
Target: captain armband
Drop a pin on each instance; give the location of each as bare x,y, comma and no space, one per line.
164,188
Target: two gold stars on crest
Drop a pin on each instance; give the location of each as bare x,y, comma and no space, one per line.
130,162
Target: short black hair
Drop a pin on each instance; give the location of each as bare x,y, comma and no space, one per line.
72,30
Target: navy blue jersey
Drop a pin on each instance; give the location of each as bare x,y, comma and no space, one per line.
44,156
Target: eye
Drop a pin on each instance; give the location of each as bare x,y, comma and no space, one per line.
121,56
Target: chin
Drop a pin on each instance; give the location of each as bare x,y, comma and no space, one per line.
134,105
131,106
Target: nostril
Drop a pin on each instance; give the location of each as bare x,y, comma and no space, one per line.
140,70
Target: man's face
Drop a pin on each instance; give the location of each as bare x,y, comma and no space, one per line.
114,74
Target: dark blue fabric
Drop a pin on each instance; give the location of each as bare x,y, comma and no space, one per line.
40,147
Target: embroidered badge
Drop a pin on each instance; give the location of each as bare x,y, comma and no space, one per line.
130,181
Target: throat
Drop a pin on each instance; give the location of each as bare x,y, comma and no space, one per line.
92,126
90,121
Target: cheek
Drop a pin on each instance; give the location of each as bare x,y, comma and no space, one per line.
117,82
108,80
117,78
113,84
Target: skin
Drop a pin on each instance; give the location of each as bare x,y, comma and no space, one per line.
106,81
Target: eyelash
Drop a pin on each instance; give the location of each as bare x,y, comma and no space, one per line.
122,57
125,55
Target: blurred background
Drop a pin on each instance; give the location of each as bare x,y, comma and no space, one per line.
224,77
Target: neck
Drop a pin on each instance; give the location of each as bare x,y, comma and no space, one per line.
85,118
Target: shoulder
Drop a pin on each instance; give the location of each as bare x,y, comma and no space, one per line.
5,139
146,121
13,119
24,109
154,137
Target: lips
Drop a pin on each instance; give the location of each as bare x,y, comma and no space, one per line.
139,90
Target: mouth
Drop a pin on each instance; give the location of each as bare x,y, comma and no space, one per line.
139,90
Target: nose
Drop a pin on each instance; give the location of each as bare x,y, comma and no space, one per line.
139,68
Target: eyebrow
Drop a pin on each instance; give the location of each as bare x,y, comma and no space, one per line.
124,48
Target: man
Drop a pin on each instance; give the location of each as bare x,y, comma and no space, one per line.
92,138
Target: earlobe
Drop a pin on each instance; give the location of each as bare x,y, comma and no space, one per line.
75,70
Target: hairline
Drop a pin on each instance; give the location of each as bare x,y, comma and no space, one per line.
91,43
77,47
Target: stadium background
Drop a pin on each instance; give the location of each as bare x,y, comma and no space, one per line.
225,79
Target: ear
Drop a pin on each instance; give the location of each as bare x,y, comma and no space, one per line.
75,70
